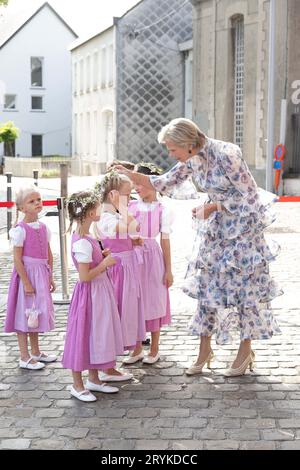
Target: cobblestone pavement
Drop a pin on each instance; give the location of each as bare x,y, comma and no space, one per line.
162,408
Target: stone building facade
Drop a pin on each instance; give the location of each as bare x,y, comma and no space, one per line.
230,75
153,40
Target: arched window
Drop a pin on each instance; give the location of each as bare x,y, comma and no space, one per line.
108,135
238,60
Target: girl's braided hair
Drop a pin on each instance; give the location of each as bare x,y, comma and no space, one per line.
111,181
79,204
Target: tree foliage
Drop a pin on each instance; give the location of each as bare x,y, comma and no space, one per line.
3,2
8,132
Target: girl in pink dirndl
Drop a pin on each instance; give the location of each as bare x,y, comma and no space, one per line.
116,229
155,269
94,337
29,305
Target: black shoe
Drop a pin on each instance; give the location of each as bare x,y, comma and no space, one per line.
146,342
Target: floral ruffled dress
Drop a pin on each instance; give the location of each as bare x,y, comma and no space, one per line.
229,269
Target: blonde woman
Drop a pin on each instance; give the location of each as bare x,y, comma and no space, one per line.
229,272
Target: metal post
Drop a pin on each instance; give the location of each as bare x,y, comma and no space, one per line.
9,198
63,248
35,177
64,170
271,97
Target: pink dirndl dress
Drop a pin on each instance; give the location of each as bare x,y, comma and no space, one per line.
125,279
94,336
155,298
35,260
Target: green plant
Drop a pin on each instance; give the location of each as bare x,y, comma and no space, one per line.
8,133
50,173
4,2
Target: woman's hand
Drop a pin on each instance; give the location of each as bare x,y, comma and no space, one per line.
52,285
204,211
121,169
168,279
28,289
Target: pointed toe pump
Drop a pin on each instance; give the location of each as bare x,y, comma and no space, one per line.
248,362
197,369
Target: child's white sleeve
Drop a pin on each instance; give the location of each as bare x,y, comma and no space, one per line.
17,236
167,219
83,251
107,225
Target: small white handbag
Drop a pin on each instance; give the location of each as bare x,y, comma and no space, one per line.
32,315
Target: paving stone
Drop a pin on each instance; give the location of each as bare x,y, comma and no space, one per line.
15,444
149,444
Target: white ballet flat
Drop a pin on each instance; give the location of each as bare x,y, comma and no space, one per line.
151,359
104,388
29,365
84,395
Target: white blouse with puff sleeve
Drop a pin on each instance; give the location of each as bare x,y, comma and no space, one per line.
83,251
17,235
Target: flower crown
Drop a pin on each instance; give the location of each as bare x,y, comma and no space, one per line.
79,203
152,167
100,187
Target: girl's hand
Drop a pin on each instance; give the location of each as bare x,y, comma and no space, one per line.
168,279
108,261
52,285
28,289
106,252
204,211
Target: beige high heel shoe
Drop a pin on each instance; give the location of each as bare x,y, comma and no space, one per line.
248,362
197,369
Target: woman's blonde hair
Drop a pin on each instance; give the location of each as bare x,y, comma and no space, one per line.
182,132
20,197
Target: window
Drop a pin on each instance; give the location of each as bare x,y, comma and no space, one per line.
103,68
95,133
88,74
10,149
188,62
95,71
10,101
81,76
36,71
110,62
36,102
88,133
37,145
75,79
238,30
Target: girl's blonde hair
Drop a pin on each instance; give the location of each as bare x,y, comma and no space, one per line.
182,132
111,181
78,206
20,197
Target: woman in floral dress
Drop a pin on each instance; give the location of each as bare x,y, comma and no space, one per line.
229,269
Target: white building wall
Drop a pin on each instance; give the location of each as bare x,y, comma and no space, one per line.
44,36
93,107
